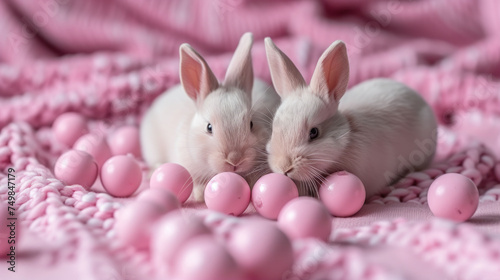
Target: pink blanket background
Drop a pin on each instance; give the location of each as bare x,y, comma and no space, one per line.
109,59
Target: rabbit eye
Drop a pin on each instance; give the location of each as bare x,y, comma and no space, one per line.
251,124
314,133
209,128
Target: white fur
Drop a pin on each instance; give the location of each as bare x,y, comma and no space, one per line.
375,130
174,129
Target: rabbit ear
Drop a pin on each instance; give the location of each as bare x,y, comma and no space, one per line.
196,77
240,71
331,75
286,77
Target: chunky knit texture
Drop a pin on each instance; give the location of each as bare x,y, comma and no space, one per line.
109,59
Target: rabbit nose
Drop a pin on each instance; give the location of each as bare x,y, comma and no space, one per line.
290,169
234,158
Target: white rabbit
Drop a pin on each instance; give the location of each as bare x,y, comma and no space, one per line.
209,127
379,130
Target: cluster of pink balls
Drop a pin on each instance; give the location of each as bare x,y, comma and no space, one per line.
274,196
93,154
183,247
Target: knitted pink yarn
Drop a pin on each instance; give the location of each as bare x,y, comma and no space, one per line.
109,59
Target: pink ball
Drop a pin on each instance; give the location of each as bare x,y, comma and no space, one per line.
134,222
161,198
271,192
121,176
203,258
68,127
76,167
343,194
125,140
171,233
305,217
261,249
175,178
228,193
453,196
95,144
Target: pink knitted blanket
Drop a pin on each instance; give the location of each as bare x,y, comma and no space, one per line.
109,59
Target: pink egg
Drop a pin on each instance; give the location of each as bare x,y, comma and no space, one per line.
175,178
121,176
125,140
343,194
160,197
95,144
68,127
271,192
227,192
261,249
134,223
305,217
171,233
76,167
453,196
203,258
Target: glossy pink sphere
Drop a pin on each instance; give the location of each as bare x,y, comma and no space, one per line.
96,145
171,233
68,127
343,194
271,192
203,258
261,249
175,178
453,196
134,223
305,217
160,197
125,140
227,192
76,167
121,176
